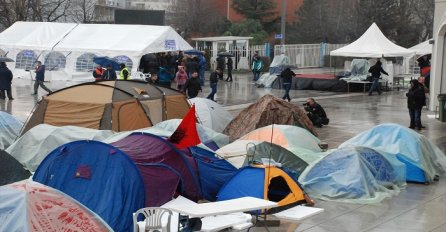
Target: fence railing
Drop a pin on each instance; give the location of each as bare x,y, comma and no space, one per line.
300,55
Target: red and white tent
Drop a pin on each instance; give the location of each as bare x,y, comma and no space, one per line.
30,206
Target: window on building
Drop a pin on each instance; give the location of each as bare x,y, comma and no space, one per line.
124,59
55,61
25,60
84,63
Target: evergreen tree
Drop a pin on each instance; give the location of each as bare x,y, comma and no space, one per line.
262,10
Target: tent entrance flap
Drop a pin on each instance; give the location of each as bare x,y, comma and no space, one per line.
278,189
61,113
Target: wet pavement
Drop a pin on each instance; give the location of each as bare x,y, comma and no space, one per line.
419,207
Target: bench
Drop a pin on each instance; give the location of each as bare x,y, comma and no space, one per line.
363,83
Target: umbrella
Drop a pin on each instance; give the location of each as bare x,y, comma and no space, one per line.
105,60
194,52
6,59
226,54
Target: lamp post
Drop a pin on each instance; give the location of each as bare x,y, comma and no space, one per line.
283,23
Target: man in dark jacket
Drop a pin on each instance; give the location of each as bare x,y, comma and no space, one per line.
287,78
40,78
213,80
221,65
5,81
109,74
192,86
316,113
229,64
376,71
416,99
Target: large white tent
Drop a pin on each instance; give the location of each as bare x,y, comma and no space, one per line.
372,44
422,49
67,49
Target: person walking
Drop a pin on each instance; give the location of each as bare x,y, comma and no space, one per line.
5,81
287,78
192,86
229,65
221,65
202,68
213,80
40,78
416,99
376,71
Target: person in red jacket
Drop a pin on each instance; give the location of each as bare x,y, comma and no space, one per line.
98,72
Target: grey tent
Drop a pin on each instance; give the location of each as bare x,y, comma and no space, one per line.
11,170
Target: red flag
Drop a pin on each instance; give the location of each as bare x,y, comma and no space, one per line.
186,134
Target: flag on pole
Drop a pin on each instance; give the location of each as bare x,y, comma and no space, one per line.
186,134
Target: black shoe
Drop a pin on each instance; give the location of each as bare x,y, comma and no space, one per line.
289,99
370,94
411,127
2,98
379,93
11,99
418,128
34,94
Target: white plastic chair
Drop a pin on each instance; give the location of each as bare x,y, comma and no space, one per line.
152,219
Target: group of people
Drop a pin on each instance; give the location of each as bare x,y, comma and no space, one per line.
109,74
416,95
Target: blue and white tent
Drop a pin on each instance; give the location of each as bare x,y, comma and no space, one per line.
423,159
354,175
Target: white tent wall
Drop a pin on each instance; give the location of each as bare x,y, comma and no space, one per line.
37,39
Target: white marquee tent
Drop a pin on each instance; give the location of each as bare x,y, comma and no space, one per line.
372,44
68,49
422,49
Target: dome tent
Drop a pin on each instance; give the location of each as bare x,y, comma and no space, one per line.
211,114
269,183
266,111
9,129
354,175
30,206
422,158
11,170
99,176
92,106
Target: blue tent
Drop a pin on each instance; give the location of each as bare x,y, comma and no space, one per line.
422,158
269,183
355,175
97,175
213,172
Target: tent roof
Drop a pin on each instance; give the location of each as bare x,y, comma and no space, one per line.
34,35
423,48
373,43
107,39
222,38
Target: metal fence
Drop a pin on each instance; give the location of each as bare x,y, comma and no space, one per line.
300,55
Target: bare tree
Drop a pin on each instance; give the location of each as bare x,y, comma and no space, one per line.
83,11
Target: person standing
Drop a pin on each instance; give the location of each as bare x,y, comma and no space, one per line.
287,77
40,78
213,80
221,66
192,86
5,81
98,72
181,78
202,68
229,65
416,99
376,71
109,74
164,77
256,66
124,74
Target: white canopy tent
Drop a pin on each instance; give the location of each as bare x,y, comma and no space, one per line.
422,49
68,49
372,44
